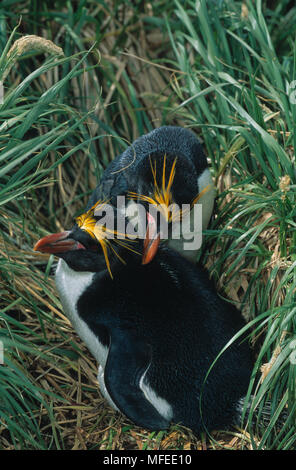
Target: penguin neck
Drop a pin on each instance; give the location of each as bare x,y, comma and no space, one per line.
134,271
124,257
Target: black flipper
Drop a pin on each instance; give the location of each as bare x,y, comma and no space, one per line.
128,359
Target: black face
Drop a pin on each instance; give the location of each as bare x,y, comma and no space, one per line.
184,186
158,178
82,252
89,258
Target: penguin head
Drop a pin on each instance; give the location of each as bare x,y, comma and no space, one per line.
90,245
159,180
167,187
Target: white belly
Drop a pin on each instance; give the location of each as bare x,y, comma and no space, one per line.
70,285
103,388
159,403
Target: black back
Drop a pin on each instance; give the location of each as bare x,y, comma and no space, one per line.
169,314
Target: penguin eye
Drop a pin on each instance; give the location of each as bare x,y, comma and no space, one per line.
105,236
88,222
161,191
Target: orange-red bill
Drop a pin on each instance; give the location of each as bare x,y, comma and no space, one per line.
151,242
57,243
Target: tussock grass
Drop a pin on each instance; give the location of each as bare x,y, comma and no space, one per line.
219,68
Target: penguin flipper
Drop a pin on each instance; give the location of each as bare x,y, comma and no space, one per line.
127,361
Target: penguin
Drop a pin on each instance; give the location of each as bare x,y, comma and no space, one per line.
167,169
164,340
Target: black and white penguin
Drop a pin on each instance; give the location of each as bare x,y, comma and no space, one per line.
163,168
155,330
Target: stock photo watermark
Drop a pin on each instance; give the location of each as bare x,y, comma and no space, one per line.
173,221
1,353
1,92
292,356
292,92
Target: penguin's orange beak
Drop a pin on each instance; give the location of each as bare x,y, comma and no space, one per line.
152,240
57,243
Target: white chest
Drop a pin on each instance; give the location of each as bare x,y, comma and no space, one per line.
70,285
